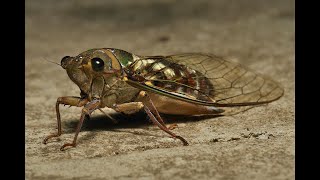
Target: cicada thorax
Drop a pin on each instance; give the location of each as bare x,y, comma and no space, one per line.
118,93
158,72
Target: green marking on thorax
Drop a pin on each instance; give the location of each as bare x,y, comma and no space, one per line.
125,58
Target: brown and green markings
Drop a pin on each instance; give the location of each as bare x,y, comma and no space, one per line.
184,84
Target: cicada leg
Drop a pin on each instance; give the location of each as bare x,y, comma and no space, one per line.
87,110
110,117
134,107
69,100
157,120
128,108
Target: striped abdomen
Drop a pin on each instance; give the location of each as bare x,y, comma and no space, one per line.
164,74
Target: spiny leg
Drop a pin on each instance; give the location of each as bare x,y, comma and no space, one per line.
153,109
87,110
68,100
155,112
110,117
158,121
128,108
133,107
164,128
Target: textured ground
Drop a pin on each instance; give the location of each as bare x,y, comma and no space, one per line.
256,144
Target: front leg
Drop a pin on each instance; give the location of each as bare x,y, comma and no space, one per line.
68,100
87,110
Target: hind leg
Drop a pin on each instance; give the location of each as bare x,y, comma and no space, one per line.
134,107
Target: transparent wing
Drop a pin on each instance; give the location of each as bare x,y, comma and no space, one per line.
209,80
232,83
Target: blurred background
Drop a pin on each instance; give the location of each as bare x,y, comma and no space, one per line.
158,26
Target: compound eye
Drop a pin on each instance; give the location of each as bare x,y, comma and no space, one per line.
64,59
97,64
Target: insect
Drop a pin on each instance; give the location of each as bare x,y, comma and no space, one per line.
184,84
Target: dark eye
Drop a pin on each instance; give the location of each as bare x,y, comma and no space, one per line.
64,59
97,64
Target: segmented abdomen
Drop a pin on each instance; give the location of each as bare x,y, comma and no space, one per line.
164,74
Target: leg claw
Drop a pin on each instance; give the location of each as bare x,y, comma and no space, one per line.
172,126
45,141
66,145
185,142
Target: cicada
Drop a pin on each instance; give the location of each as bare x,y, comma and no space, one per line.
183,84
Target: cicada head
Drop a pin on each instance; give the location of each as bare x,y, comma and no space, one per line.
92,69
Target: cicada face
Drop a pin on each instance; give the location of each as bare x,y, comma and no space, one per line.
89,69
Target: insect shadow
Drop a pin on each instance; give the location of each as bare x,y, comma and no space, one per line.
137,120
